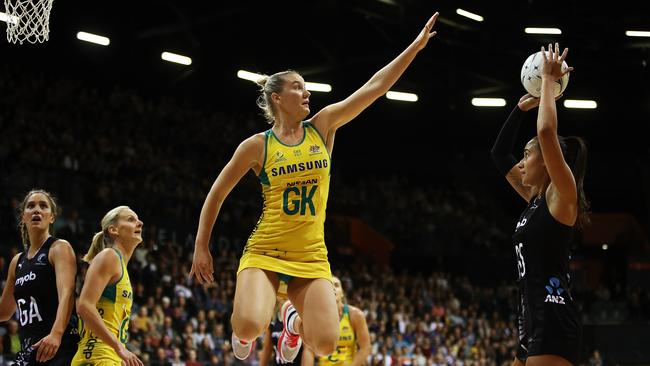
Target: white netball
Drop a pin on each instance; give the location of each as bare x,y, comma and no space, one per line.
531,75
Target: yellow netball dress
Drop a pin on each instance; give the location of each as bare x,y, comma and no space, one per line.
114,306
346,347
289,236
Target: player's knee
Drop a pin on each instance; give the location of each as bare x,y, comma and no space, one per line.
325,343
247,328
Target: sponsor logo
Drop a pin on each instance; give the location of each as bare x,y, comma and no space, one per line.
89,346
303,182
41,259
31,276
554,292
279,157
299,167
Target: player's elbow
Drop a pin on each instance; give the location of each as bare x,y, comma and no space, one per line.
84,309
216,196
546,131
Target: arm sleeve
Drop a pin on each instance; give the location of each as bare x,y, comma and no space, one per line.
503,146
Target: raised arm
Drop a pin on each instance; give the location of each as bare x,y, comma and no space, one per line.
335,115
104,269
249,155
562,180
8,302
65,269
502,150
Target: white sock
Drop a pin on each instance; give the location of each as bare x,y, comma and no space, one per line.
293,314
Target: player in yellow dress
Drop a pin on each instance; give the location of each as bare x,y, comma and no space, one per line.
104,305
292,161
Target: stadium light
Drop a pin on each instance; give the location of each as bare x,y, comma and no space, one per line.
179,59
543,31
251,76
247,75
404,97
93,38
12,19
580,104
467,14
318,87
488,102
631,33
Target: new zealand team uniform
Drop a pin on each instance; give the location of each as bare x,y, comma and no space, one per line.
548,319
36,298
114,306
289,236
346,347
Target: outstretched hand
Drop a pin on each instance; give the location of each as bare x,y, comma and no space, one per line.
426,33
552,64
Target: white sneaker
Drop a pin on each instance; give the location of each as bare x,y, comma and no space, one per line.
289,343
241,350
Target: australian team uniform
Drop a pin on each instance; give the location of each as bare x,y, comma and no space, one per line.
114,306
346,347
36,298
548,320
289,236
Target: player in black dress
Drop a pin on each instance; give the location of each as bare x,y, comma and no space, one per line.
40,285
550,178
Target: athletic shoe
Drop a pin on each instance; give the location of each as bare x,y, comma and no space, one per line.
241,349
289,343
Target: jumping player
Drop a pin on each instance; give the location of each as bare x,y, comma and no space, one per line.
292,161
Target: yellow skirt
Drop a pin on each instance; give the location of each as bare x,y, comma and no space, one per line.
287,265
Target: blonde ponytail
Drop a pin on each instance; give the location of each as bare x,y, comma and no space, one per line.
262,81
98,244
101,239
